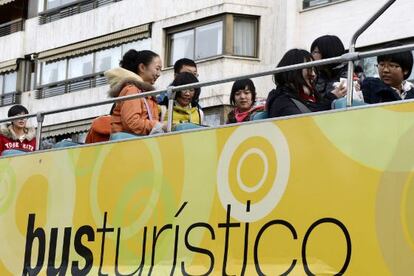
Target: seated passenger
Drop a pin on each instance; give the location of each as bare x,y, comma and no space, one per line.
17,137
186,109
180,66
295,92
243,97
393,71
138,72
328,46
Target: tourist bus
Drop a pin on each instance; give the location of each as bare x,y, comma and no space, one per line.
326,193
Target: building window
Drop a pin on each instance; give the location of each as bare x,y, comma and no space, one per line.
8,87
211,37
81,72
52,10
80,66
245,36
312,3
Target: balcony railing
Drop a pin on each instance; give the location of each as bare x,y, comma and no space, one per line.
11,27
71,9
71,85
9,98
313,3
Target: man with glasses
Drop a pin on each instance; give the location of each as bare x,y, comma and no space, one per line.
393,70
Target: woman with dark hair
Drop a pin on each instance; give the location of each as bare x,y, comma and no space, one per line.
17,137
138,72
186,109
295,92
329,46
242,98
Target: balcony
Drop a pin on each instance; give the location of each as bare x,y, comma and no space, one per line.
9,98
11,27
71,85
70,9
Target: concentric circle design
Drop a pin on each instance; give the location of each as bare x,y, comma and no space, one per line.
242,185
274,136
155,178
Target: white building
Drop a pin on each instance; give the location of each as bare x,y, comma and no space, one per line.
53,52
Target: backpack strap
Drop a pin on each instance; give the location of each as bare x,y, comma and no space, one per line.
302,108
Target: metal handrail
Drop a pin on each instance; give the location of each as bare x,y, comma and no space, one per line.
170,90
372,19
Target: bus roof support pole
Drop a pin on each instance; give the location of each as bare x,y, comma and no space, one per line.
171,97
40,117
350,83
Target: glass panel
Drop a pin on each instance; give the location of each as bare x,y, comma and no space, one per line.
143,44
53,72
411,77
107,59
10,81
370,70
244,39
1,84
209,40
182,46
80,66
50,4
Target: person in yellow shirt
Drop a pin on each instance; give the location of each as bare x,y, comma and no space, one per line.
186,109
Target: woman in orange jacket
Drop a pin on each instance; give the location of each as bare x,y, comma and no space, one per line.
138,72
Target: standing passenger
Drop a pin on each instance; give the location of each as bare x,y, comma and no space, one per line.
242,98
17,137
138,73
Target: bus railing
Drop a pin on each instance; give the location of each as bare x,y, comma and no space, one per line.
172,89
363,28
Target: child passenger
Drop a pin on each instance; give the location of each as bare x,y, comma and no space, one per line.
137,74
295,92
393,69
17,137
242,98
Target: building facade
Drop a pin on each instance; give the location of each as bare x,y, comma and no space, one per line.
53,52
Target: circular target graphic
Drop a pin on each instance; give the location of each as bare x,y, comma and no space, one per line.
270,133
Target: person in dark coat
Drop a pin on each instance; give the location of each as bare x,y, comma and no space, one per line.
295,92
393,69
328,46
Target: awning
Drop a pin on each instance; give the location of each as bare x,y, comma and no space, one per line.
66,128
9,65
111,40
2,2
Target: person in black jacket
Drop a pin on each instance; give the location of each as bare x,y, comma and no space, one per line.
328,46
295,92
393,69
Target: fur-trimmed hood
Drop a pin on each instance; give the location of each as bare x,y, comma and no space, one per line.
7,131
119,77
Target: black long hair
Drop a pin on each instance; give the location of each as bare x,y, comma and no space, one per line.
329,46
294,78
133,58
